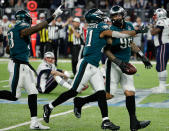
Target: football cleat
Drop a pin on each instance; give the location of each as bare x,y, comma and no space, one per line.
140,125
107,124
46,113
77,107
38,126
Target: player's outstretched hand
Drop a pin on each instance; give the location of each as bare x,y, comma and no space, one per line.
146,62
142,29
58,11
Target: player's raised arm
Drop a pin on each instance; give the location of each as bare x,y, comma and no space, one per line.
33,29
122,34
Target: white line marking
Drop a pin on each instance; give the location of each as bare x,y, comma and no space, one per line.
6,86
40,119
2,81
38,60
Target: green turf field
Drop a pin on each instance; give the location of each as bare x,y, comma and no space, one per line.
14,114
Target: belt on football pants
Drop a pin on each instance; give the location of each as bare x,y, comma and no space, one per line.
26,63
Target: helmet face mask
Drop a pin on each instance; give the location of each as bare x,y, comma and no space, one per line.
160,13
94,16
115,13
49,58
23,15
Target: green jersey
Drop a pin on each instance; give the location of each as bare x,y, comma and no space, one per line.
94,44
19,47
121,46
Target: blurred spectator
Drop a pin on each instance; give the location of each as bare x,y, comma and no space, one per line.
43,37
70,4
91,4
141,3
13,21
118,2
5,27
78,40
103,4
150,44
56,35
80,3
127,4
53,34
19,5
1,42
62,35
138,39
55,3
128,19
133,4
69,37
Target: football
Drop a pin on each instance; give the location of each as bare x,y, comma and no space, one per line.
130,69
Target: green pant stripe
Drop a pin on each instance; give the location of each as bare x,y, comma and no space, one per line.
108,70
15,78
80,74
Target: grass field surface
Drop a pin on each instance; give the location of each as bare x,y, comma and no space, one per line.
15,113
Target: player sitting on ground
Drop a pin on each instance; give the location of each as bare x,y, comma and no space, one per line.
21,72
49,77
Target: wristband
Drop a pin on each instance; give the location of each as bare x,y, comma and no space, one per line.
140,53
119,35
117,61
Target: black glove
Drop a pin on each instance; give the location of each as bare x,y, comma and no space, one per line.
146,62
142,29
144,59
122,65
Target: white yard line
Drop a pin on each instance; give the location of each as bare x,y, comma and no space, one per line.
2,81
40,119
37,60
6,86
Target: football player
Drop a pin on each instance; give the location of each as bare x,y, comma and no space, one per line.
21,72
121,49
161,41
87,70
49,77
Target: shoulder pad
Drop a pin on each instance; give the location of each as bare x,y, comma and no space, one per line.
160,23
104,26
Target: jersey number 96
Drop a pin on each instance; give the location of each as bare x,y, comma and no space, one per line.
125,42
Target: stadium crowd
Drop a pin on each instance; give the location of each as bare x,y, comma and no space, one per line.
62,42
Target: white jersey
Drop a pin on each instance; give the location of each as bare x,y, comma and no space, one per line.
53,32
163,36
44,71
5,27
77,41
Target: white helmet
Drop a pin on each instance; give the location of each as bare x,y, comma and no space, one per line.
160,13
49,54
